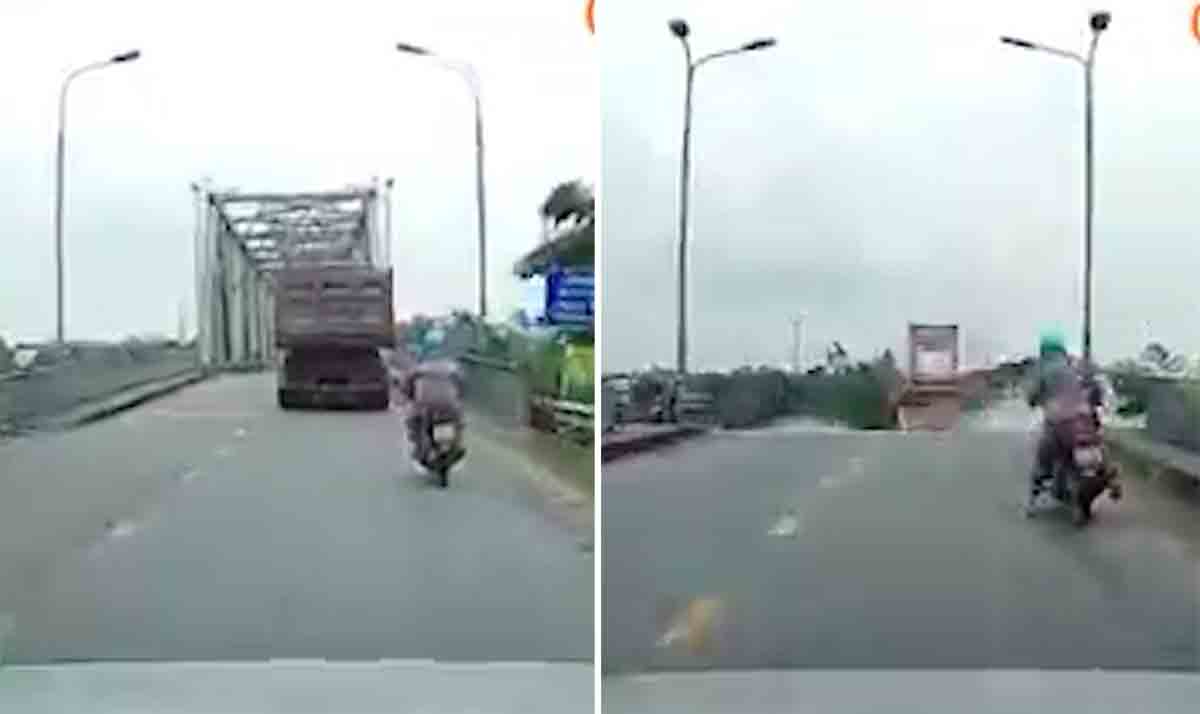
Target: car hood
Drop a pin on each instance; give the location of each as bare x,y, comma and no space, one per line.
929,692
297,687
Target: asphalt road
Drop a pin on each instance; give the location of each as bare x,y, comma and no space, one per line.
801,549
210,525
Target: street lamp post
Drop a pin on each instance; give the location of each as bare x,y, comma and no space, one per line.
468,73
58,178
1098,22
681,30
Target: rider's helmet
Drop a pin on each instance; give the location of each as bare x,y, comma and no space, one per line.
1052,342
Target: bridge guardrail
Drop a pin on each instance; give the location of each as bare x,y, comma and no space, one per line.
571,420
499,389
31,395
691,407
574,420
699,408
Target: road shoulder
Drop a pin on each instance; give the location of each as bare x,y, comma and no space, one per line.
636,438
123,400
560,473
109,405
1151,457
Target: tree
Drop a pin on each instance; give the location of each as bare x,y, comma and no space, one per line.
569,200
1176,363
885,369
837,358
6,358
1155,353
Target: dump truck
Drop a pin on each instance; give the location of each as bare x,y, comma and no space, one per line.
326,255
931,398
302,280
331,323
933,354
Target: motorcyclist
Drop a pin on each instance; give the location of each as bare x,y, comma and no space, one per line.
1060,388
431,388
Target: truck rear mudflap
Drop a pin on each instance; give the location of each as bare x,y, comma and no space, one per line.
335,396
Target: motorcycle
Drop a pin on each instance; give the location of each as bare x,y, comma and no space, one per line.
438,445
1082,471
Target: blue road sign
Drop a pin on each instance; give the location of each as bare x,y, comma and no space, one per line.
569,297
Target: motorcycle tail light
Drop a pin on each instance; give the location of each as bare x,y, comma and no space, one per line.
445,432
1087,457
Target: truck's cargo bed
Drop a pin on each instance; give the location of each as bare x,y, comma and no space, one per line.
334,306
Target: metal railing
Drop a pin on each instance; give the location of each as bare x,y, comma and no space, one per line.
574,420
34,393
570,420
690,407
696,408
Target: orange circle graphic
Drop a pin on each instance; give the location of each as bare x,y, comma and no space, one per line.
590,10
1196,22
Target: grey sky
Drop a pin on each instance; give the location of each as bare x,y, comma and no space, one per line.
890,162
278,96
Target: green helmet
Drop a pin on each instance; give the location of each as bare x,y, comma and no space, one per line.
1051,342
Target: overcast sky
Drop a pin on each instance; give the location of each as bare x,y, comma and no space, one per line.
281,96
890,162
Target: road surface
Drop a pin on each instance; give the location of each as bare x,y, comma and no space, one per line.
887,550
210,525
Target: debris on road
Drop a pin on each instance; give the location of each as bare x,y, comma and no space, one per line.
693,625
787,526
120,529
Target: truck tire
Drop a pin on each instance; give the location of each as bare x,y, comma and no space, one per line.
285,399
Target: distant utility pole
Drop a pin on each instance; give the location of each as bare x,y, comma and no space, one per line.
799,343
796,345
387,222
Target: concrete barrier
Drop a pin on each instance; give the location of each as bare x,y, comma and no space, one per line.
634,439
1173,413
89,373
610,401
497,389
124,400
1137,449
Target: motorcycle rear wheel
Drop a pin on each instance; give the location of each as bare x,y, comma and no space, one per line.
1086,494
1081,513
